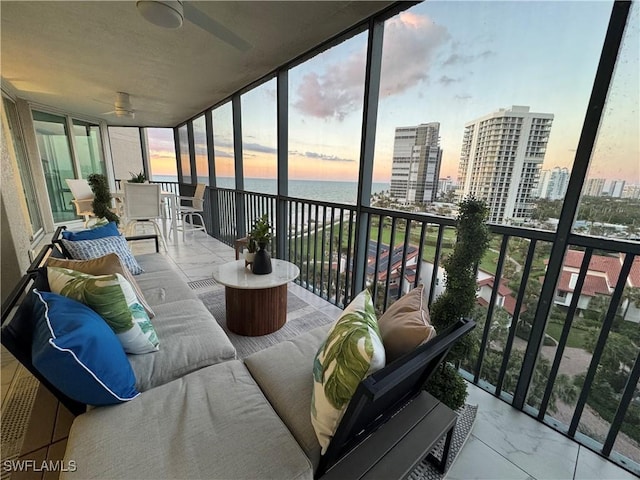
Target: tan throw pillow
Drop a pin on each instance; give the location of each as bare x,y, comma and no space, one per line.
106,265
405,325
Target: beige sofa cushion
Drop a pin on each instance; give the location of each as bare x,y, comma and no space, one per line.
190,339
214,423
284,372
405,325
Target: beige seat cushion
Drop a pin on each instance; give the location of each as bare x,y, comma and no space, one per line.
214,423
285,375
190,339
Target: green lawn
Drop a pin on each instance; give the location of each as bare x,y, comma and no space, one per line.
576,337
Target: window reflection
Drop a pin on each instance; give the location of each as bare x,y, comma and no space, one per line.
185,164
325,122
162,154
259,138
200,144
223,146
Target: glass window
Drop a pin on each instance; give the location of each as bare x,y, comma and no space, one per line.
223,146
260,138
185,164
200,143
23,166
610,203
88,145
162,154
126,152
481,98
325,122
55,155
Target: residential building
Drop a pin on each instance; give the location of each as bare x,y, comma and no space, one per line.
416,163
593,187
504,297
631,191
382,263
500,161
616,187
552,184
601,278
446,185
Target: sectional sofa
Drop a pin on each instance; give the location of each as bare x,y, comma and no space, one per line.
202,413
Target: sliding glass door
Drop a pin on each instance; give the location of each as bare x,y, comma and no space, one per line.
23,167
64,155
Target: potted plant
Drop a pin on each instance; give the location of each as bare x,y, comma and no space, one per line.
101,197
137,177
250,254
261,235
459,298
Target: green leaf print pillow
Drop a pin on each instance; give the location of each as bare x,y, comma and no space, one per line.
352,351
114,299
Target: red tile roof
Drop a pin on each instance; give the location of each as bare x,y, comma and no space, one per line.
610,266
593,284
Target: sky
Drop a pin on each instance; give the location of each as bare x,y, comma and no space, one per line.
448,62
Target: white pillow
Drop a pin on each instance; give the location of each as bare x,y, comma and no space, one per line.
352,351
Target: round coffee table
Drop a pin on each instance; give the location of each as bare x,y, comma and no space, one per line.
255,304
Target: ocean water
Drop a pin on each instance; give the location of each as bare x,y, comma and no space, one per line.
335,192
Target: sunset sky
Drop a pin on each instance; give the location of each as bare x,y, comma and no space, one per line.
448,62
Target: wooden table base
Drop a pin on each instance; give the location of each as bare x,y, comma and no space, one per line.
254,312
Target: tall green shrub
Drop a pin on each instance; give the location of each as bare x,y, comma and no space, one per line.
101,197
459,298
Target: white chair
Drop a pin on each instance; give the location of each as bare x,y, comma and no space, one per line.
82,198
186,213
143,206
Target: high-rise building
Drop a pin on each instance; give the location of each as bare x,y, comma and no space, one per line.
445,185
416,163
500,161
615,188
552,184
593,187
631,191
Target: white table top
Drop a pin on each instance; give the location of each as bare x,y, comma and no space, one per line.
236,275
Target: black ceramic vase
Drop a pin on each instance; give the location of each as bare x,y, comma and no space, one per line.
261,262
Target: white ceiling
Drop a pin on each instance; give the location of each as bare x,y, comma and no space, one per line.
76,55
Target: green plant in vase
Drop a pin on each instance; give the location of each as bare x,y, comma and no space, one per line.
137,177
261,235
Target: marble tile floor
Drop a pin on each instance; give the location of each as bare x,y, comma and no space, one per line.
504,443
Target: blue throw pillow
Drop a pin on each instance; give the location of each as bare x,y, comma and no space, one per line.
108,230
74,348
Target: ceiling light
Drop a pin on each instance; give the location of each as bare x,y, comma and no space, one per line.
163,13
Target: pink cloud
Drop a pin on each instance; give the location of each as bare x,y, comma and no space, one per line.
410,43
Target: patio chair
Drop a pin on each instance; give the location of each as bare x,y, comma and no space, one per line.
143,206
187,213
82,198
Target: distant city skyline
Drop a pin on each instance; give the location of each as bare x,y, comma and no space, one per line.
447,62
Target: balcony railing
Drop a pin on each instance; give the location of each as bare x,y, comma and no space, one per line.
394,251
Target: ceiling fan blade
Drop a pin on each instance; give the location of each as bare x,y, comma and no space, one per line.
208,24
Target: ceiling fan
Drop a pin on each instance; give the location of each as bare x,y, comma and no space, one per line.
171,13
122,105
